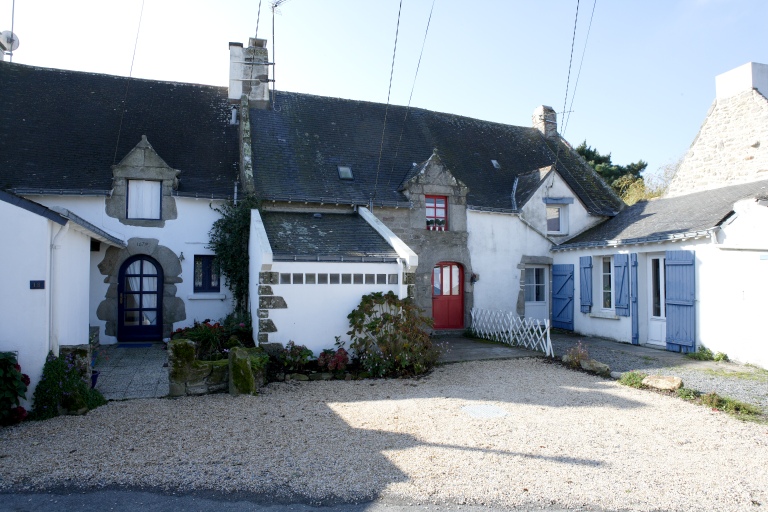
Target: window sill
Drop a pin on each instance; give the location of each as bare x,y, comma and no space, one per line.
608,315
207,296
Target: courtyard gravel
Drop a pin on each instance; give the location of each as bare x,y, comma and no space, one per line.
555,439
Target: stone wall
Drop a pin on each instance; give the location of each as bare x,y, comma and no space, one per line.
730,148
239,374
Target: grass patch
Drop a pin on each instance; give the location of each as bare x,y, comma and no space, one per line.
633,379
704,354
729,405
758,374
688,394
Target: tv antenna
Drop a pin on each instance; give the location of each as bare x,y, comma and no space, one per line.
275,5
8,43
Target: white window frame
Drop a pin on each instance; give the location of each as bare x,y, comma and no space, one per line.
144,200
662,287
562,217
601,283
531,287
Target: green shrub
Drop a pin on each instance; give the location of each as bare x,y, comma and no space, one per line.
704,354
633,379
688,394
294,357
13,387
721,356
62,386
575,355
213,340
388,336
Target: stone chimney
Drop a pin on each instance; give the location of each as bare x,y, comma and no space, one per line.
545,120
248,72
751,75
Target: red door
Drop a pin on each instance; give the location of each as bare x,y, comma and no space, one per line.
448,296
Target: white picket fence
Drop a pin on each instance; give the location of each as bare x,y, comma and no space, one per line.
511,329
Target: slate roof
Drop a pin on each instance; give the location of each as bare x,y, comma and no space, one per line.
329,237
667,218
59,130
298,146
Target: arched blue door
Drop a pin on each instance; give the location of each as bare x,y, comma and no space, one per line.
140,300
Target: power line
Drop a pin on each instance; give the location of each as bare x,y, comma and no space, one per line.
408,108
578,75
130,74
386,109
568,81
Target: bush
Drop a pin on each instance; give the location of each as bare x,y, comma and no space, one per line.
334,360
688,394
62,389
704,354
720,356
388,336
633,379
576,355
213,340
295,357
13,387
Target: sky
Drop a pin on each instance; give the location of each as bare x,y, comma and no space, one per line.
642,75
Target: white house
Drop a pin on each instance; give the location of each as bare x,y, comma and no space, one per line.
690,269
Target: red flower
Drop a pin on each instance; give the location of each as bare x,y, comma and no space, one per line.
25,379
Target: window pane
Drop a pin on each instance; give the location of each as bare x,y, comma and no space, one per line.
446,281
148,317
358,279
322,278
440,202
370,278
436,281
455,280
149,284
553,219
381,278
656,288
214,274
134,268
198,272
394,278
298,278
346,278
149,300
131,300
335,279
144,199
131,318
310,279
285,278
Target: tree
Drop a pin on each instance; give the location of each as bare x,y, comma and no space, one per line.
229,241
625,180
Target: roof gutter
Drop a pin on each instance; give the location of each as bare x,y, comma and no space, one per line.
677,237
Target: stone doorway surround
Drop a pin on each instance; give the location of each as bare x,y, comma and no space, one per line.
173,307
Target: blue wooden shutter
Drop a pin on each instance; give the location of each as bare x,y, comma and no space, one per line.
562,296
621,288
585,283
633,298
680,273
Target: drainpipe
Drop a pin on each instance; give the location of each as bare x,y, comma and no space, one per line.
53,336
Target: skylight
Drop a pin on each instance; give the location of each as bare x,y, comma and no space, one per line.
496,164
345,172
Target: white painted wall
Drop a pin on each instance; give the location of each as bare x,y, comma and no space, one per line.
187,234
70,287
535,210
317,313
730,291
24,313
497,242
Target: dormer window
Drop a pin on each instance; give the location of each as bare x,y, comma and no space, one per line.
437,213
557,214
345,172
144,199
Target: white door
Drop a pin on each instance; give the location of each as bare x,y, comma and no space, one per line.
536,296
657,315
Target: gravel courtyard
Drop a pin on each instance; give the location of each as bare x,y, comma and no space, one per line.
519,433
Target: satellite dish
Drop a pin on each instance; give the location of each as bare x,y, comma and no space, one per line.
8,41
